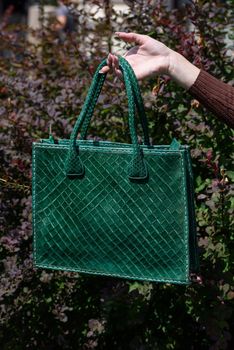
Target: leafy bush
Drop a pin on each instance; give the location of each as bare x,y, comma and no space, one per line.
43,85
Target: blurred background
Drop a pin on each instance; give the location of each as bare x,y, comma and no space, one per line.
23,11
49,51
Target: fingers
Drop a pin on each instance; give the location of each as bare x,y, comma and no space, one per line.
112,63
115,66
131,37
112,60
104,70
109,66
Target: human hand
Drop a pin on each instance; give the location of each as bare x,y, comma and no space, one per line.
149,57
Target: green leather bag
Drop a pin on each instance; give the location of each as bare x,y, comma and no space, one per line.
114,209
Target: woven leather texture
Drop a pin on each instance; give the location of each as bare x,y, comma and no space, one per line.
105,224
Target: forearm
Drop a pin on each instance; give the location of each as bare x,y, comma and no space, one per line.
211,92
181,70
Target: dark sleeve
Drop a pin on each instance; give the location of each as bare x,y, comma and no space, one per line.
214,94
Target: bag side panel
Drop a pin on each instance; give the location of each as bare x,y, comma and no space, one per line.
193,243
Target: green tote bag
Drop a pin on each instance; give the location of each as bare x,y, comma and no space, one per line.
114,209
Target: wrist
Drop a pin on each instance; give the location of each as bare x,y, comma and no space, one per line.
181,70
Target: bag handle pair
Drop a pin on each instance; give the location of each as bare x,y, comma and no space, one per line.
137,169
137,98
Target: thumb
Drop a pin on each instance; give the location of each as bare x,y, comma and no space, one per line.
139,39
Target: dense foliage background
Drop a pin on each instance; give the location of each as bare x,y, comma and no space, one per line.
44,83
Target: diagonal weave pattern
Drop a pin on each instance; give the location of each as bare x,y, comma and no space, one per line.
105,224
